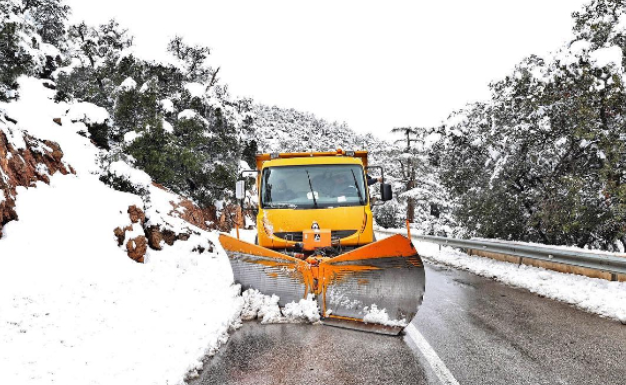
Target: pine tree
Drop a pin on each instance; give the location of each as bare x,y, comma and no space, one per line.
194,61
409,163
99,50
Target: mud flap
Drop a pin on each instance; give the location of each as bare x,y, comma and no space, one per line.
268,271
376,288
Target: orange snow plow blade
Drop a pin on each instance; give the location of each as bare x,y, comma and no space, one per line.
268,271
377,287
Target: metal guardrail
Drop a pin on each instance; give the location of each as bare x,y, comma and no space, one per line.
613,264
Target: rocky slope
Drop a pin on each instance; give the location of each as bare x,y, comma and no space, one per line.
35,161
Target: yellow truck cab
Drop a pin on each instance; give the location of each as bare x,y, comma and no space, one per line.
324,191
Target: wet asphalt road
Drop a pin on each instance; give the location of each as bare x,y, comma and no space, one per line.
484,332
311,354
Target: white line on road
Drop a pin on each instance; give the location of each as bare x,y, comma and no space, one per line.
433,359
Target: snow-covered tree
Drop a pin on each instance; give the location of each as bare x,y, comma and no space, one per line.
193,61
50,17
544,159
20,52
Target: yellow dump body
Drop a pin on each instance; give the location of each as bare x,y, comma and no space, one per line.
280,228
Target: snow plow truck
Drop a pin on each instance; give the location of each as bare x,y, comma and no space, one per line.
315,237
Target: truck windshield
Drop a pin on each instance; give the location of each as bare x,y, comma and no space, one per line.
319,186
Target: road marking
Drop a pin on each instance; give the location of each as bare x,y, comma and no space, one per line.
433,359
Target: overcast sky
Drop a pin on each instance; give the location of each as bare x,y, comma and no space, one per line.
375,65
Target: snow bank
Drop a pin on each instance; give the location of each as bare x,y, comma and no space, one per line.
74,309
598,296
594,295
74,296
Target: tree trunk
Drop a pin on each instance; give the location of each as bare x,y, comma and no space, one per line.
410,203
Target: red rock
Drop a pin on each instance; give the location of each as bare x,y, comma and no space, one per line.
200,217
120,235
20,167
137,248
154,237
191,213
136,215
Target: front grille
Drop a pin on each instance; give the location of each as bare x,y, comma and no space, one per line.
297,236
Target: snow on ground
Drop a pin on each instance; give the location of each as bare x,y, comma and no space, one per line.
35,112
305,310
375,315
74,309
594,295
265,308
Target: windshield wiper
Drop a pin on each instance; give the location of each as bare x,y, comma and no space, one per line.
358,190
311,187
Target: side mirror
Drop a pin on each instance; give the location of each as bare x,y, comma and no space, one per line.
240,190
385,192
